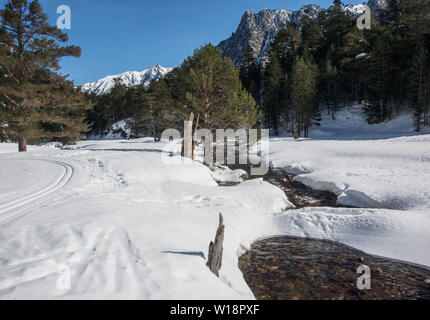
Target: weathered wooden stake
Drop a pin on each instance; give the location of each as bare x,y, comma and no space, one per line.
215,249
22,144
188,138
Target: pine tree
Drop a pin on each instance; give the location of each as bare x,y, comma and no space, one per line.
286,102
276,97
211,88
336,24
331,84
354,66
419,82
117,102
120,103
273,94
38,103
381,84
303,93
286,46
155,110
312,36
250,74
415,17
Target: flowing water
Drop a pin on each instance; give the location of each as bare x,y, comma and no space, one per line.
291,268
297,193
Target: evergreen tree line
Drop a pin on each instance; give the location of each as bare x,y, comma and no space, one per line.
327,63
205,83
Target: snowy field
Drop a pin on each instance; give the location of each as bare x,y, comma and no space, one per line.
124,225
379,166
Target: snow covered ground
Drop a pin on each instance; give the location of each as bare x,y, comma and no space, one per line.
121,224
124,224
378,166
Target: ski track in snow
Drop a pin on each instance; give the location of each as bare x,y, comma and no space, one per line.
15,209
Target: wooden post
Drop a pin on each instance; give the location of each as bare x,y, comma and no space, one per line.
22,144
216,249
188,138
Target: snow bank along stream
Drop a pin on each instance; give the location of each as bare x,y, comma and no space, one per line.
299,268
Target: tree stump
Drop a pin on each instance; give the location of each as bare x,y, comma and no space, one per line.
216,249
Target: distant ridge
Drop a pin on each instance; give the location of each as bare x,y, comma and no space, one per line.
129,79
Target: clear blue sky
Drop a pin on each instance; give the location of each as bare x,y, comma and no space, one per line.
124,35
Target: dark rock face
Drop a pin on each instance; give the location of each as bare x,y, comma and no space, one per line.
259,30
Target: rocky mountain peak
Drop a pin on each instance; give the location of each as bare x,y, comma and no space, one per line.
258,30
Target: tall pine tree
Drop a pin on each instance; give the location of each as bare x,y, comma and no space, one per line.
38,103
250,74
303,93
273,94
210,86
155,110
419,85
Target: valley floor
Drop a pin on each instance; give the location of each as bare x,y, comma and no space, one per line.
125,225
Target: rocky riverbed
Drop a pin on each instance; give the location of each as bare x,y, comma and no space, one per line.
291,268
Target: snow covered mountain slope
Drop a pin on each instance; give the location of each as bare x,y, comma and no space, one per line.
374,5
129,78
259,30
